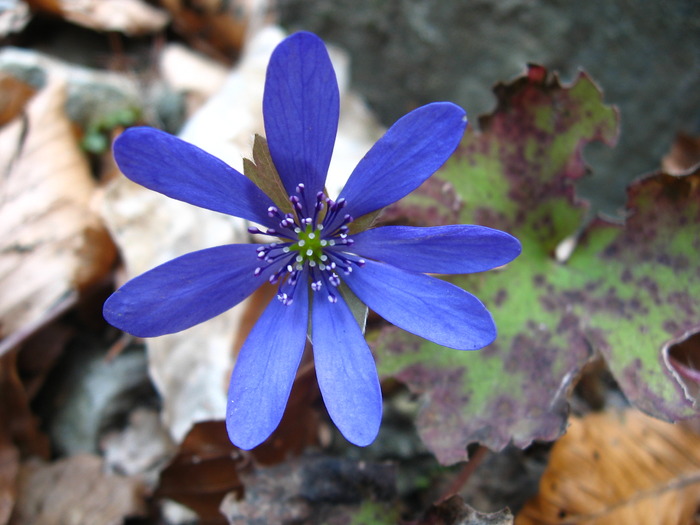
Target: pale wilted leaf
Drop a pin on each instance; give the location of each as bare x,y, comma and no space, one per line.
51,242
76,490
14,16
195,75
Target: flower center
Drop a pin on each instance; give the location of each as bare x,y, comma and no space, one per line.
314,246
310,248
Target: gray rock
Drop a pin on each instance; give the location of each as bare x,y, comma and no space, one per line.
645,56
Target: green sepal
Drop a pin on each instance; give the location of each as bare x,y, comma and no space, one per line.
358,308
261,170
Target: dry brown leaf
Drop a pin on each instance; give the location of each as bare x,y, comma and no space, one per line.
619,468
39,354
51,243
18,432
14,95
9,453
9,466
17,423
131,17
205,470
75,490
215,27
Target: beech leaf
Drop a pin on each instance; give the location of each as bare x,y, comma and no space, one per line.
53,244
619,469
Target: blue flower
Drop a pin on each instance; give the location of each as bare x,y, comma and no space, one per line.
313,251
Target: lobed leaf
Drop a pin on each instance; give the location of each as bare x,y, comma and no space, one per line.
629,292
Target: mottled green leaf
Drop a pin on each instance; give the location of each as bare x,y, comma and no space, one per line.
641,292
517,174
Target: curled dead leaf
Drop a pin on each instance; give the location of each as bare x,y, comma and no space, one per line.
683,156
619,468
683,357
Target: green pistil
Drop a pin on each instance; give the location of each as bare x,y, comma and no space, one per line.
310,248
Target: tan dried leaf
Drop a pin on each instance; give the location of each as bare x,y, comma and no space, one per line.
191,73
51,243
76,490
621,468
132,17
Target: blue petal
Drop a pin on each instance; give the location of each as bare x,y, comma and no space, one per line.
166,164
264,373
423,305
408,153
458,248
347,375
300,108
185,291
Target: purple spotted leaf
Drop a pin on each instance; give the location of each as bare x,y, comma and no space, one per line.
641,298
628,292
